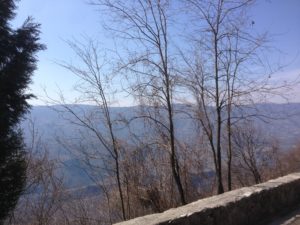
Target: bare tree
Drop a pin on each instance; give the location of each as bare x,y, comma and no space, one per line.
41,200
253,153
226,71
94,85
146,24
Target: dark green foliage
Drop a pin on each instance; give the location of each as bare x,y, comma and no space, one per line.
18,50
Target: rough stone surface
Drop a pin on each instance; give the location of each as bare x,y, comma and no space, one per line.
245,206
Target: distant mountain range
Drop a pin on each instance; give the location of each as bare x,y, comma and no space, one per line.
280,121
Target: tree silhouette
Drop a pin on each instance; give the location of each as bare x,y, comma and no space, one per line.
18,50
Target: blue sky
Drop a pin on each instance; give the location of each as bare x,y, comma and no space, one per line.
63,20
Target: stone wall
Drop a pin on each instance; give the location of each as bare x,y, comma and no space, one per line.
245,206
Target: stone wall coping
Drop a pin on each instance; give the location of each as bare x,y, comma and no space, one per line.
213,202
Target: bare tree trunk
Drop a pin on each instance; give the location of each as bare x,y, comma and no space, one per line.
217,94
229,153
174,160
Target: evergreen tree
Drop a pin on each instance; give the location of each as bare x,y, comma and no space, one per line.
18,50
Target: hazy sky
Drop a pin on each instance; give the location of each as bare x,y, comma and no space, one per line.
63,20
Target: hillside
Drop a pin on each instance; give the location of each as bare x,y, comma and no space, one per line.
278,121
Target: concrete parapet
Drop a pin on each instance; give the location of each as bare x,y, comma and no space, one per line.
245,206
